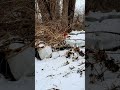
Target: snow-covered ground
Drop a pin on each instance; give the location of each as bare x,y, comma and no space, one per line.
59,72
22,68
76,38
107,36
54,73
26,83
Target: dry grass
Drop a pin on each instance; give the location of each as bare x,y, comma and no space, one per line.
52,32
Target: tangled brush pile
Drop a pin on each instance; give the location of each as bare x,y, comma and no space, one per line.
51,33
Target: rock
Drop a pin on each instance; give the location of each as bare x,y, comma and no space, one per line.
4,68
23,64
45,52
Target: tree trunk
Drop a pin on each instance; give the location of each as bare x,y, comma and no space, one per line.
71,10
52,8
57,11
65,12
44,10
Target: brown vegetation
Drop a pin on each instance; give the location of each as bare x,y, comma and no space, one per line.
51,33
54,24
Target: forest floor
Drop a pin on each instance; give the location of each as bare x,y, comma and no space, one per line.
55,73
107,37
60,72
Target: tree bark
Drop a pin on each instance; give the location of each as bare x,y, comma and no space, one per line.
57,11
44,10
71,10
52,8
65,12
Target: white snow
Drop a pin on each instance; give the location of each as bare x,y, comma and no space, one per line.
60,72
22,68
80,7
76,38
26,83
103,41
45,52
53,73
41,45
106,40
